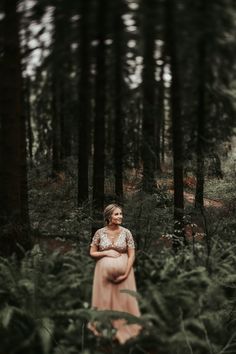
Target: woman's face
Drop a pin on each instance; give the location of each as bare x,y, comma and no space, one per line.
116,217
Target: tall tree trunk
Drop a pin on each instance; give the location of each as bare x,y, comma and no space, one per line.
60,75
62,120
29,130
100,105
177,134
119,116
84,100
24,180
14,218
201,114
160,121
67,133
64,28
65,122
148,143
161,111
56,161
56,86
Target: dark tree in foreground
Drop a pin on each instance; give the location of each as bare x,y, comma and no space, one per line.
14,218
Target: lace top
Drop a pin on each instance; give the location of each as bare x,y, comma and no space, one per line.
123,241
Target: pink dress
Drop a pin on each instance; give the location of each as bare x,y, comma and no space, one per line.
106,295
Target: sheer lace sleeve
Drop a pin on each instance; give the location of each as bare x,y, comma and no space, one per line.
95,239
129,239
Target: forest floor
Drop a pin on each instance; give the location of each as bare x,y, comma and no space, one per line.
63,244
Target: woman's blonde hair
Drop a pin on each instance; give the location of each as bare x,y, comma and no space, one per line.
108,212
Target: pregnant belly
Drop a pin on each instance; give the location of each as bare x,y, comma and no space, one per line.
113,267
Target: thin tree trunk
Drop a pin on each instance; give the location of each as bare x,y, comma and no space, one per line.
65,130
13,170
100,105
84,101
119,118
24,180
60,74
177,134
64,61
160,118
162,115
56,162
148,143
28,120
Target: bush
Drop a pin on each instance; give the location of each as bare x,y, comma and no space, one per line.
187,302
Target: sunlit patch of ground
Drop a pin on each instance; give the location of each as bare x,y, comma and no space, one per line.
190,197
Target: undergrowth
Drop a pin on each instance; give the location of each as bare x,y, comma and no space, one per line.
187,301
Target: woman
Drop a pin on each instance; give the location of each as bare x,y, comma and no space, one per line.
113,248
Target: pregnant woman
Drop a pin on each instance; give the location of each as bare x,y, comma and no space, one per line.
113,248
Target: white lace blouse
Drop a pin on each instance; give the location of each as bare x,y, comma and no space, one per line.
122,242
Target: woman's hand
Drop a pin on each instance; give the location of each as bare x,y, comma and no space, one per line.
120,278
112,253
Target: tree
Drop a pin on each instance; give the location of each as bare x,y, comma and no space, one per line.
60,68
201,112
118,33
100,107
27,92
84,104
161,126
177,134
14,218
148,86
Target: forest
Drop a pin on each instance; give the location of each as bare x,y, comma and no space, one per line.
130,102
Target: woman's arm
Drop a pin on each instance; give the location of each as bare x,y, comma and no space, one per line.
131,258
99,254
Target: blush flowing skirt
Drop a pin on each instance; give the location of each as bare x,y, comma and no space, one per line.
108,296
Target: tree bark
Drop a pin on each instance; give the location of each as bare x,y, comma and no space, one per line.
163,116
201,113
29,130
119,115
14,217
148,142
56,161
60,71
100,106
84,101
160,122
177,134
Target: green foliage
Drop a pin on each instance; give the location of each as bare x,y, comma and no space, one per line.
187,302
189,299
149,216
53,204
34,293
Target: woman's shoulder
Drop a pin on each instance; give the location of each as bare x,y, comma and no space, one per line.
124,229
101,230
129,238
